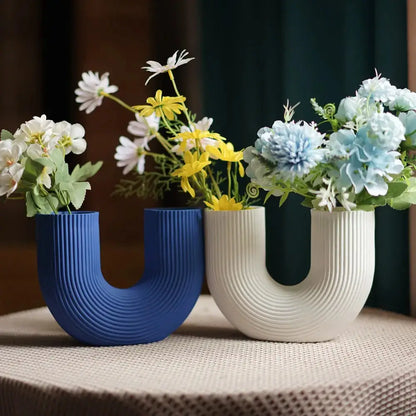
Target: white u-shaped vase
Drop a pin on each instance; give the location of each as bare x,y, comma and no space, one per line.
317,309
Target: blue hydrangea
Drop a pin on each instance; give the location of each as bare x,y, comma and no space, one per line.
369,168
349,108
364,160
386,130
404,100
409,122
341,144
377,89
294,148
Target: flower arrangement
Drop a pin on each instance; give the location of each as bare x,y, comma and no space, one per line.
362,161
33,167
190,149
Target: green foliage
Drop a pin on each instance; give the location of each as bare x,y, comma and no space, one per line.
407,198
6,135
65,189
151,184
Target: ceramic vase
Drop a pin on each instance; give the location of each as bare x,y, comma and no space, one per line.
91,310
321,306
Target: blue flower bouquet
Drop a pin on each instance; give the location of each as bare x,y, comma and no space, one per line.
363,159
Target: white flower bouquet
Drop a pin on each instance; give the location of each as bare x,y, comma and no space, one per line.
190,148
33,167
362,161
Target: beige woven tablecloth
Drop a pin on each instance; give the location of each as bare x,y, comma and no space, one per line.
208,368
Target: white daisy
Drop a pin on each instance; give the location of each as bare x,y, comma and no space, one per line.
37,150
90,88
203,125
173,62
131,155
71,137
9,180
144,126
38,130
10,153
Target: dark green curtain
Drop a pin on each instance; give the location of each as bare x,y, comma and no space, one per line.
257,54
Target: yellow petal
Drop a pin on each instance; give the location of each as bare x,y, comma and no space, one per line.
186,186
214,151
240,169
204,157
158,95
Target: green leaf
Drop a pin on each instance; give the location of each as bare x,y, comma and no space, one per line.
45,161
411,182
283,198
41,204
62,175
78,193
32,169
395,189
268,195
58,158
6,135
31,209
307,202
82,173
364,207
404,201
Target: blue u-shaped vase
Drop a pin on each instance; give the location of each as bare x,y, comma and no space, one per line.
88,308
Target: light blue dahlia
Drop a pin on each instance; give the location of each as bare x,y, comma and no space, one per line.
294,148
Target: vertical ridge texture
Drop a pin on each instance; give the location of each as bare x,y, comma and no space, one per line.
316,309
93,311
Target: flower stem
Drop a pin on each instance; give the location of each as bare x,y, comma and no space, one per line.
186,112
229,178
167,124
118,101
166,145
214,183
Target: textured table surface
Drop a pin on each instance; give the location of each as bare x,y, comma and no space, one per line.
208,368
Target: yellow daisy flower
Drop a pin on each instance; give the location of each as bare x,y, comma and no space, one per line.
224,204
161,106
191,167
225,151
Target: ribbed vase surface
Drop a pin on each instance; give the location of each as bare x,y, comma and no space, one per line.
89,308
318,308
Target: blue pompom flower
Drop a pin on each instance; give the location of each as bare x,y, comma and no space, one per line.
294,148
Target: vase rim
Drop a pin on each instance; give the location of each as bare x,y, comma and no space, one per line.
251,208
339,212
66,213
156,209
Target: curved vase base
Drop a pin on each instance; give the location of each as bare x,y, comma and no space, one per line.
321,306
94,312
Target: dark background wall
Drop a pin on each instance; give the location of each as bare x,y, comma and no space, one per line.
251,57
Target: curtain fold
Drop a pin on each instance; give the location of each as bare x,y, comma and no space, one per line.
256,55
